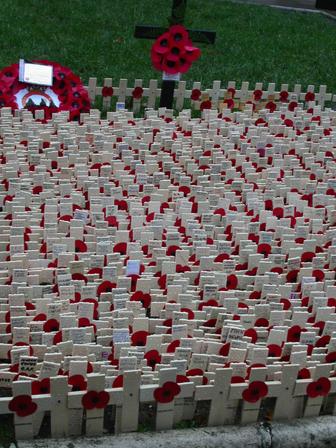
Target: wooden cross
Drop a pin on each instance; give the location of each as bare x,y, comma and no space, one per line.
152,32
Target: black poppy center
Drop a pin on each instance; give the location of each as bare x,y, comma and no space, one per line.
95,400
76,388
255,391
141,343
171,64
164,43
8,74
44,390
152,362
177,37
166,393
54,328
23,406
61,75
319,387
75,104
175,50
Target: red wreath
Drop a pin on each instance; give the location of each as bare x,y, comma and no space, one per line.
173,52
72,95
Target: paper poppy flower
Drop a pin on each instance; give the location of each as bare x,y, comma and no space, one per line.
95,400
105,286
231,281
257,95
264,249
206,105
294,333
22,405
173,346
41,387
152,357
195,94
210,302
310,96
142,297
224,350
255,392
330,357
167,392
107,91
304,374
283,95
274,350
319,388
80,246
139,338
137,93
78,382
251,333
120,248
292,276
171,250
51,325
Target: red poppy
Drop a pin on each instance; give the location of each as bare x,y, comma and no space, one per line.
283,95
210,302
271,106
294,333
195,94
292,106
255,391
318,274
79,276
197,372
224,350
142,297
95,400
22,405
41,387
40,317
310,96
107,91
190,313
58,337
264,249
137,93
237,379
121,248
231,281
330,357
304,374
261,322
173,346
167,392
172,250
153,357
307,256
292,276
257,94
78,382
319,388
139,338
105,286
286,304
118,381
51,325
205,105
251,333
274,350
182,379
80,246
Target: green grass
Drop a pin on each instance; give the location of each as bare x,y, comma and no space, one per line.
95,38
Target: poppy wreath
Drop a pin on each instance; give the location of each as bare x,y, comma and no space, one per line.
173,52
167,392
66,94
95,400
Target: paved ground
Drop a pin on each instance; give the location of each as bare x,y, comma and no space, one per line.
319,432
308,5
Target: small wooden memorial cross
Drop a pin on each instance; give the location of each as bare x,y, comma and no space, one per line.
152,32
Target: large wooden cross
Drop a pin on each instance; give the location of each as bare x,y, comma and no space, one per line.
152,32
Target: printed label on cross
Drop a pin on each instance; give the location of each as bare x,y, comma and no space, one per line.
153,32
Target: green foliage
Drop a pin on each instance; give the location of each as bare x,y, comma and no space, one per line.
95,38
